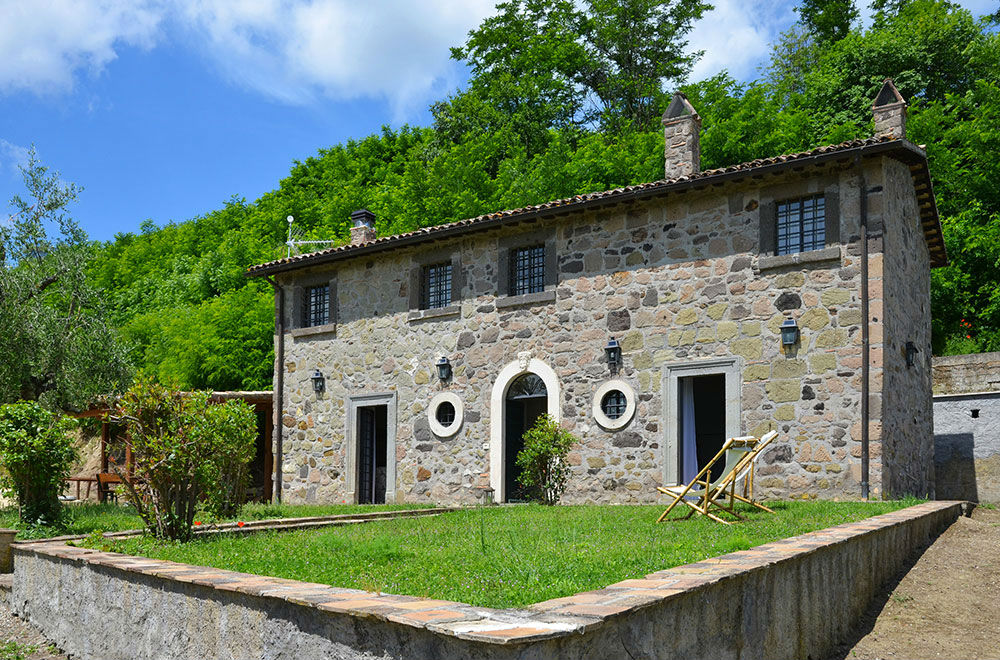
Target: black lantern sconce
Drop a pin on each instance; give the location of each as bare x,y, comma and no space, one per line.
444,368
789,332
911,353
319,382
614,352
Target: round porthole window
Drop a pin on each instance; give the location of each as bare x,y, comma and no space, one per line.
614,404
444,414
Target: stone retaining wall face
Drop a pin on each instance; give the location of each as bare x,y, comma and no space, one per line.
795,598
964,374
673,280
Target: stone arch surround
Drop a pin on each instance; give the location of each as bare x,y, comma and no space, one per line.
498,410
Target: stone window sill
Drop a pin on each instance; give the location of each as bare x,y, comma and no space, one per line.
537,298
328,328
436,313
799,258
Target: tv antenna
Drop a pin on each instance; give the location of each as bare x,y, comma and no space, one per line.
295,234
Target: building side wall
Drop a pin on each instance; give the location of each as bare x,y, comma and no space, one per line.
967,446
675,280
907,419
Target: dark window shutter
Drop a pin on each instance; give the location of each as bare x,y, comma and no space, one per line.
551,264
503,271
831,203
416,273
768,228
332,302
298,299
457,279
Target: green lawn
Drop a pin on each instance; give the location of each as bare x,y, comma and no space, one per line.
87,518
500,556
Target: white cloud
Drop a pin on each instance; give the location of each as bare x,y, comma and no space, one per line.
45,43
737,36
299,51
12,155
304,51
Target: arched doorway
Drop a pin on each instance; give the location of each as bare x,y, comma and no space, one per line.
512,371
526,400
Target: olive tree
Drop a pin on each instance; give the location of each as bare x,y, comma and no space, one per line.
56,346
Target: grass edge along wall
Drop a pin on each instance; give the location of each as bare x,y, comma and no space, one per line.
684,274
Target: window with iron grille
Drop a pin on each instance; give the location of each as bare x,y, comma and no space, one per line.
614,404
316,310
435,286
527,270
445,413
801,225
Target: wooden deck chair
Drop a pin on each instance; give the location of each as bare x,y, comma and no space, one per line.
702,495
744,475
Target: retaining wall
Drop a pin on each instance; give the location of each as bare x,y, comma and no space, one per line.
793,598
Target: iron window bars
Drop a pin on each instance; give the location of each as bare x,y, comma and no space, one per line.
527,270
316,311
801,225
435,286
613,404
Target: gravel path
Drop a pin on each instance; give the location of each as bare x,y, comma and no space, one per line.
13,629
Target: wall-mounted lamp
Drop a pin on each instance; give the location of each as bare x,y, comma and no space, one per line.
444,368
614,352
911,353
319,382
789,332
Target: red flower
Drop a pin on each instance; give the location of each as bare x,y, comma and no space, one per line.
197,522
240,523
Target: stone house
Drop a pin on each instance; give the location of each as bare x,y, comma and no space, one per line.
408,366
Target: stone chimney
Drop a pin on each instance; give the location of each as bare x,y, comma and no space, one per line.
890,111
681,148
363,230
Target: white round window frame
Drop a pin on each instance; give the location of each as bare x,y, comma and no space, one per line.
603,420
439,429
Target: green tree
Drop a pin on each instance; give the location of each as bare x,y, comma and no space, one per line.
827,20
57,345
36,454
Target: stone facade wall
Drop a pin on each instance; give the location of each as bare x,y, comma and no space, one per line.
677,279
964,374
907,412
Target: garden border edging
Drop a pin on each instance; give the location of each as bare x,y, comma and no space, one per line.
791,598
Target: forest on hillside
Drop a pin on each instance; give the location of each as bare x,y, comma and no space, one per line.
565,98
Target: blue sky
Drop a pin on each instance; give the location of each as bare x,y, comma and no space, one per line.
164,109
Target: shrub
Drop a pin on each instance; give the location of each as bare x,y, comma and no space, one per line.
184,449
37,452
544,471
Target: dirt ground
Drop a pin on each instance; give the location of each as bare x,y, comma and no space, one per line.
946,605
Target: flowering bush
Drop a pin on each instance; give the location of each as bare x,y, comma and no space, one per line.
36,453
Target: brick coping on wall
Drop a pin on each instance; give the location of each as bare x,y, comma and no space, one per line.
558,617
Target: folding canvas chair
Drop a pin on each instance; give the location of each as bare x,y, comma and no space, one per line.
702,495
